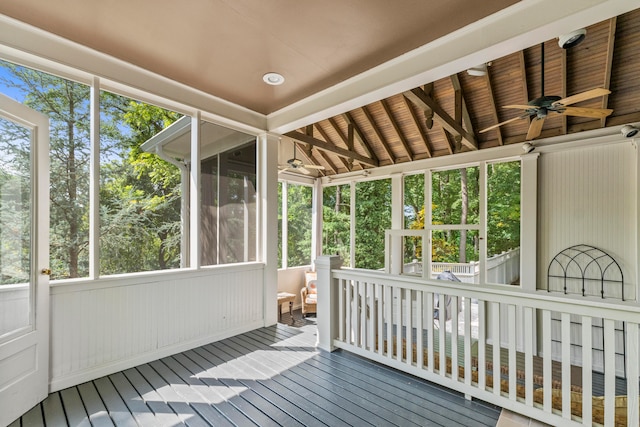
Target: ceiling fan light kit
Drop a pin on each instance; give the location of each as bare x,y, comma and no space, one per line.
569,40
295,164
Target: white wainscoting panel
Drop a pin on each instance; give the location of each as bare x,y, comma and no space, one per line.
100,327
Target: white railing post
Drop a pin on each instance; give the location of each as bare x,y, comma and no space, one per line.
327,310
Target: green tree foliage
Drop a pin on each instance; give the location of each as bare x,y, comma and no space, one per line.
503,201
373,217
299,217
138,193
336,222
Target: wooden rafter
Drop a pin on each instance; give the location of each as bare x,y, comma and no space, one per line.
360,134
322,145
422,100
613,22
416,123
563,87
379,134
325,136
328,163
523,80
465,118
492,101
396,128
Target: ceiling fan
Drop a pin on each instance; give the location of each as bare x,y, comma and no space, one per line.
550,106
296,164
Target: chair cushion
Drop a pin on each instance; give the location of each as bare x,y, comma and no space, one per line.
312,288
311,299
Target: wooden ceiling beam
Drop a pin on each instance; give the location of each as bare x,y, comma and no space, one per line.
465,116
322,145
379,134
613,22
324,135
416,123
361,136
563,86
396,128
422,100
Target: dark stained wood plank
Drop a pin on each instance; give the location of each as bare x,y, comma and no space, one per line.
168,394
132,399
73,407
53,411
98,415
163,412
33,417
202,377
118,410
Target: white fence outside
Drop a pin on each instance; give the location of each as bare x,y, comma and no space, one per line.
503,268
375,315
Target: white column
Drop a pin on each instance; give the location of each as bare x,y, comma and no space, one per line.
194,194
397,219
94,182
316,221
528,221
327,310
267,145
482,178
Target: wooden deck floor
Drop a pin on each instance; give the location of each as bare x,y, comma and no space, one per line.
270,376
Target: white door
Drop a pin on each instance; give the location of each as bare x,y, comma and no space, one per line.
24,258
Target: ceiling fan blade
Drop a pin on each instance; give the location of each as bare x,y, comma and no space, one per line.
535,128
318,167
304,170
283,170
503,123
593,93
521,107
596,113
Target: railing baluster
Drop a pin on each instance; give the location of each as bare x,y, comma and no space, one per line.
371,321
430,340
528,354
419,327
546,363
495,332
380,317
362,287
565,319
467,341
610,372
388,300
341,313
454,337
348,307
513,367
482,345
633,356
587,368
398,323
409,329
442,337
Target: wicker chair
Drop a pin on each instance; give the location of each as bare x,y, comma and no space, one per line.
309,294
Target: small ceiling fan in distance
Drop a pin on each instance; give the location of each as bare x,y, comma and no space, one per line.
296,164
550,106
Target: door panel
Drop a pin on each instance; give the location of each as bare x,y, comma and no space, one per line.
24,255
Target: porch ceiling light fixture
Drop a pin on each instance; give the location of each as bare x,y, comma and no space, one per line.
528,147
572,39
273,79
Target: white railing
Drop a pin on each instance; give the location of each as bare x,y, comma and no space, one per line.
502,268
397,320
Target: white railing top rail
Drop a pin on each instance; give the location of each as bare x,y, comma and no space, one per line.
585,306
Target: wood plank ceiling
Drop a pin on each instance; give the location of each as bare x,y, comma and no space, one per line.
444,117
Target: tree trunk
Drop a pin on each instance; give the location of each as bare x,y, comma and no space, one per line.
463,215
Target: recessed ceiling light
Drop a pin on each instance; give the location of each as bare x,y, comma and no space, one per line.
273,79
